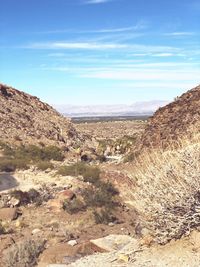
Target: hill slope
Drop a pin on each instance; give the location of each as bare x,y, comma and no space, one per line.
24,118
174,121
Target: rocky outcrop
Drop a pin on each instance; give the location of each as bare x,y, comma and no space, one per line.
178,119
24,118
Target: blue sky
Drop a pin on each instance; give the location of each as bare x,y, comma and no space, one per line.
100,51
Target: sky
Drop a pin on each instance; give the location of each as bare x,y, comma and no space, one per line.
89,52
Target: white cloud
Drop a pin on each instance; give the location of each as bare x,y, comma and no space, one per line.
179,33
145,75
96,1
163,55
77,45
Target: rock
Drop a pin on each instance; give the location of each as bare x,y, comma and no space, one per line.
113,242
147,240
68,186
195,239
123,257
174,121
72,243
14,202
35,231
8,214
55,205
56,254
66,195
25,119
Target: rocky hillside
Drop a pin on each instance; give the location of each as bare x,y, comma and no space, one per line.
24,118
174,121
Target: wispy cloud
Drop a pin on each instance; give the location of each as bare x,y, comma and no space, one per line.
180,34
146,74
136,48
90,2
77,45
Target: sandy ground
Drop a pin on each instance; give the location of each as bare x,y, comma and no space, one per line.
25,180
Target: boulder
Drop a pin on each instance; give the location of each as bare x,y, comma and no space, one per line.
8,214
112,242
66,195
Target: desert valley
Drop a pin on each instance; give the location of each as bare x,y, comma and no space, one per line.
118,193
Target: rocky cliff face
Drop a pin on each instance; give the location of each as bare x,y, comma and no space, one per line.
174,121
24,118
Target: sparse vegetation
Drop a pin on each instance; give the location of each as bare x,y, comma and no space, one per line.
32,196
74,206
2,228
99,195
10,165
21,157
44,165
168,184
90,173
23,254
103,216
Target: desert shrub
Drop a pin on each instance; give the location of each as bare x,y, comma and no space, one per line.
23,254
10,165
73,206
22,156
35,153
44,165
23,197
104,216
2,228
90,173
32,196
52,153
165,185
101,195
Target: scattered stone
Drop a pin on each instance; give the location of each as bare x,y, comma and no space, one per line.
8,214
14,202
35,231
72,243
123,257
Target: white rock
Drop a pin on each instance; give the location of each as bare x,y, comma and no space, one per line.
72,243
35,231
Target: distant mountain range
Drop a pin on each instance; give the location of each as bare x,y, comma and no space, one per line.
137,108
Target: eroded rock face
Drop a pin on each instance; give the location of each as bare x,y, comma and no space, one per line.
24,118
174,121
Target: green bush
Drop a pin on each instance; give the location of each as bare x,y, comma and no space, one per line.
22,156
35,153
10,165
44,165
101,195
90,173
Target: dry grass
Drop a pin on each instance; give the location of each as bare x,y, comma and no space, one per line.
23,254
167,188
